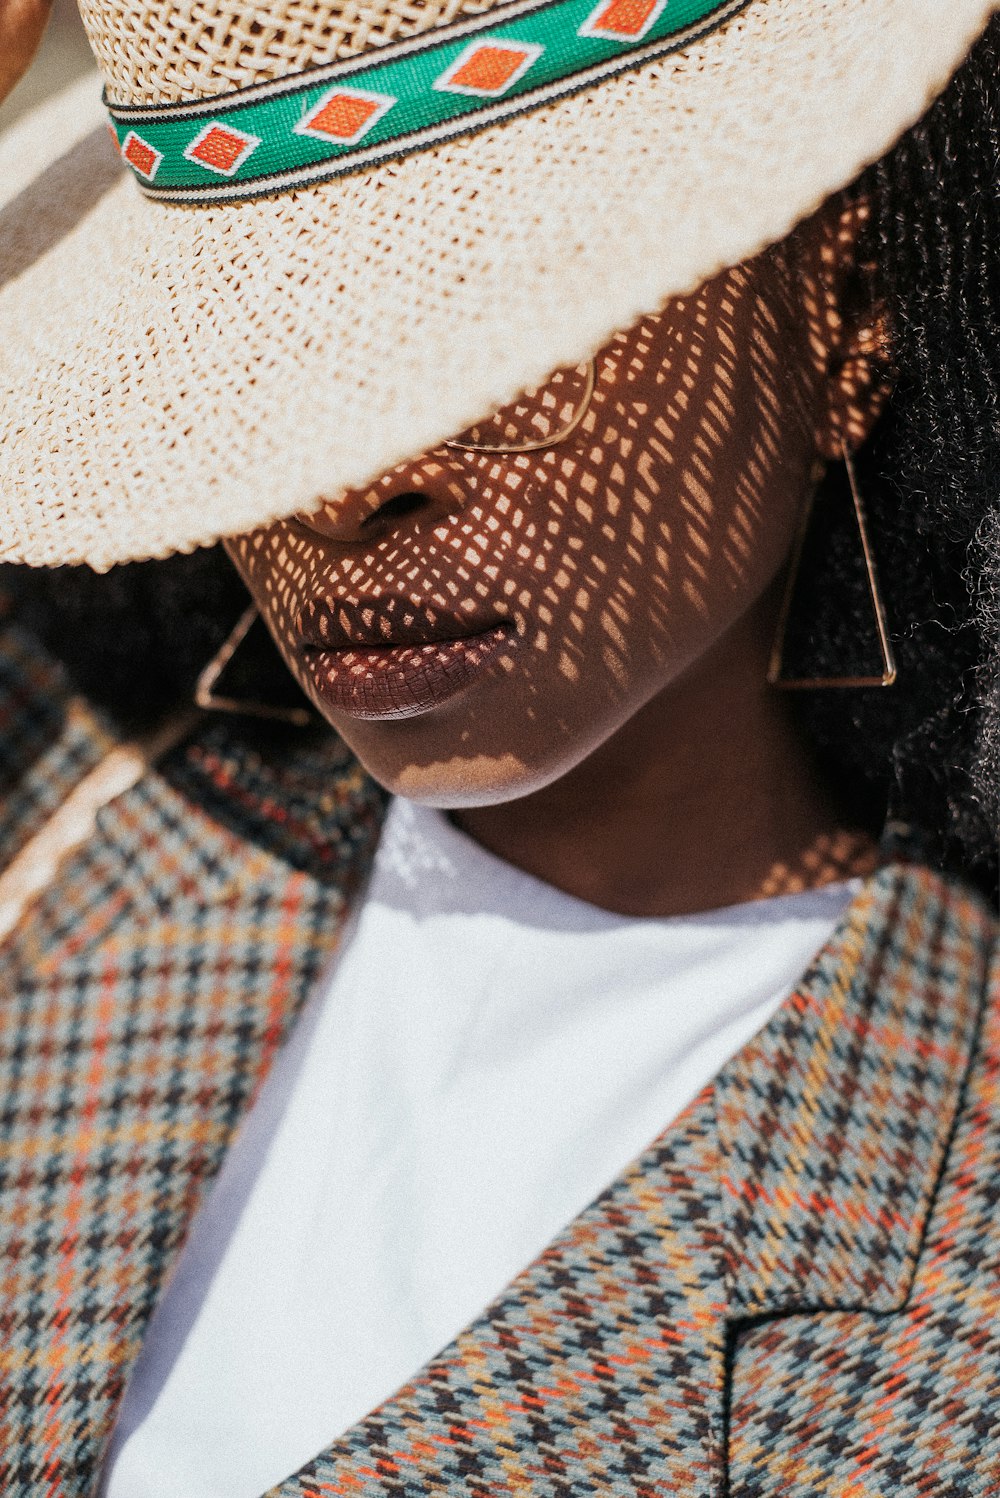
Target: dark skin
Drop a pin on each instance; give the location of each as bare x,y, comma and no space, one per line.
745,817
623,746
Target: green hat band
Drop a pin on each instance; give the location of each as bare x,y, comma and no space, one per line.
454,80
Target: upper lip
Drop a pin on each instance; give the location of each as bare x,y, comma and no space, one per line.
366,623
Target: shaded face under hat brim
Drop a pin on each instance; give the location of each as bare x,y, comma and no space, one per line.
172,375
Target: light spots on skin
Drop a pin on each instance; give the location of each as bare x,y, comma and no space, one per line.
615,557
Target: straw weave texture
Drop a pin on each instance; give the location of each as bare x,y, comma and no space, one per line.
204,49
171,375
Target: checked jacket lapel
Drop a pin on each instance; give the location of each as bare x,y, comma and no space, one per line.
142,1000
847,1205
801,1179
834,1124
600,1370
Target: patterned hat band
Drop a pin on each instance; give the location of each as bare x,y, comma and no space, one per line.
330,120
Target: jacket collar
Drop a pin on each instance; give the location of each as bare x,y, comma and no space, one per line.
833,1125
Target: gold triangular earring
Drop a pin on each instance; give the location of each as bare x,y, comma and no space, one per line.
776,662
206,697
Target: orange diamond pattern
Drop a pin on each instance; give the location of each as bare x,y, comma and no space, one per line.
489,69
343,116
140,155
219,148
624,18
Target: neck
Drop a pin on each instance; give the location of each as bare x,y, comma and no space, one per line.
707,797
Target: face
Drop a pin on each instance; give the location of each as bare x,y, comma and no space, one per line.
476,623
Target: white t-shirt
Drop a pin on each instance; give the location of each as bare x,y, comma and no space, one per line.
485,1055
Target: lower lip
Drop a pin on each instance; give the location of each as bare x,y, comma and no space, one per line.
400,681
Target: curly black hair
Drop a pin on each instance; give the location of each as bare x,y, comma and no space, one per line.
930,477
926,750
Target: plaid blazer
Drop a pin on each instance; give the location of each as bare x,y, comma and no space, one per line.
793,1291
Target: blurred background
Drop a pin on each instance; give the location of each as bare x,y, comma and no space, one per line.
63,56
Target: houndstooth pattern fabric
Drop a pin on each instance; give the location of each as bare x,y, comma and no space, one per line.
601,1370
834,1121
790,1292
50,740
906,1404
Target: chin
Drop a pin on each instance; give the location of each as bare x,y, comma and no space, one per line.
456,760
460,783
451,781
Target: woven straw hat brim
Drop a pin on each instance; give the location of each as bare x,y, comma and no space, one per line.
172,375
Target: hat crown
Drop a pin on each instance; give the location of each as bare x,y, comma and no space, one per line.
152,53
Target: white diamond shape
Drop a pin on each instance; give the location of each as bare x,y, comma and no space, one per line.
250,143
530,49
383,101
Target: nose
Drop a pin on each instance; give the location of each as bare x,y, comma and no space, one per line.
414,494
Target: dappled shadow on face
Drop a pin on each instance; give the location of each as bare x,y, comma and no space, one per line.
613,558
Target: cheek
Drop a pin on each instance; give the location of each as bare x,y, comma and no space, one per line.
678,502
280,570
620,557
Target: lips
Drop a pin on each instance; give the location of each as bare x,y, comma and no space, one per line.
390,658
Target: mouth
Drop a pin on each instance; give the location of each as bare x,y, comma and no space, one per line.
400,676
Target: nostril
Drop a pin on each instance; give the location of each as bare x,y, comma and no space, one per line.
396,508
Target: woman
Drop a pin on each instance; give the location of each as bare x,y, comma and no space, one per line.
560,624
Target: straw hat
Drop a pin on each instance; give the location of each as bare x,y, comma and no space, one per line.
458,197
